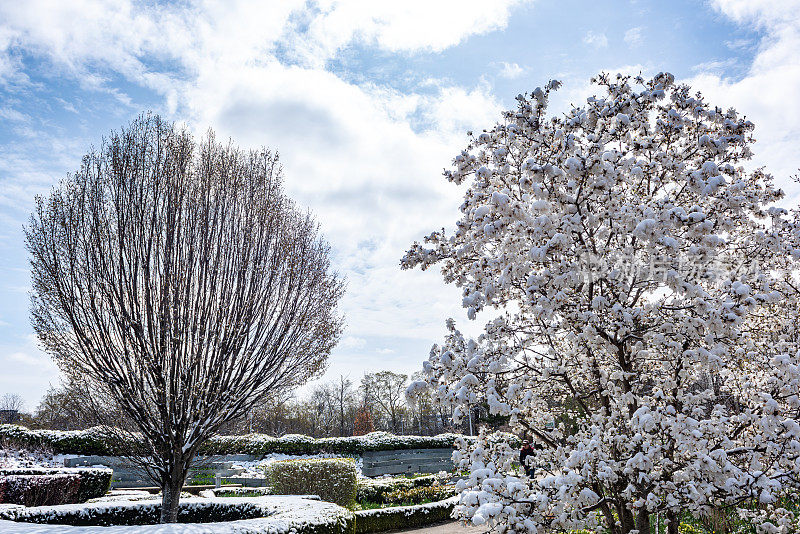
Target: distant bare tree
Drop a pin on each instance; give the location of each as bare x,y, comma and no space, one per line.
345,404
11,405
63,408
12,402
387,389
180,280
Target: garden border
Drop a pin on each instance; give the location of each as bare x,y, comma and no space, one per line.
98,441
287,514
397,517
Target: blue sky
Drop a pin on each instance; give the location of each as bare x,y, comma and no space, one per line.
366,103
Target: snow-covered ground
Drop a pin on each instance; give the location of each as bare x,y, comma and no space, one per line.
19,459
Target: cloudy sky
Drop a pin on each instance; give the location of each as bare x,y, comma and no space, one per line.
366,101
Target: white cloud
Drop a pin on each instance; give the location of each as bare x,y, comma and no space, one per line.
406,26
714,67
511,70
633,36
595,39
365,159
12,114
764,93
351,342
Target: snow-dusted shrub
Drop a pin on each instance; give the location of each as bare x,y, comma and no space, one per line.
374,489
419,495
642,285
103,442
139,513
92,441
39,490
275,515
257,444
91,482
383,519
333,479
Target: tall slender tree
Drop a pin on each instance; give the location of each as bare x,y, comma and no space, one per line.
179,279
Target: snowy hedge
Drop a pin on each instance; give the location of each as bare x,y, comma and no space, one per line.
102,442
333,479
93,441
383,519
374,489
271,514
39,490
257,444
136,513
40,486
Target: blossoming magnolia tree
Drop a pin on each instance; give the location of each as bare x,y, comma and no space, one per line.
635,267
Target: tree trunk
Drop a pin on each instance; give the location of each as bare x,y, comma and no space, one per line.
672,526
626,518
611,521
643,522
171,494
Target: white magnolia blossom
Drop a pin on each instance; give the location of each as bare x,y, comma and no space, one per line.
646,333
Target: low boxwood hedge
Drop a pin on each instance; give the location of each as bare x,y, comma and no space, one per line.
98,441
93,482
383,519
142,513
333,479
274,515
39,490
105,442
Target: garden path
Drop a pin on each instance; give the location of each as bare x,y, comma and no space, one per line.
452,527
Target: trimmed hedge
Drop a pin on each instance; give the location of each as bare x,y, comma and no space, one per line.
93,441
257,444
104,442
93,482
333,479
275,515
39,490
383,519
143,513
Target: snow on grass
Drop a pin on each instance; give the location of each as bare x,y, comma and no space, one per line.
12,458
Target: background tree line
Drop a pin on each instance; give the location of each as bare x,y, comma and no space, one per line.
339,407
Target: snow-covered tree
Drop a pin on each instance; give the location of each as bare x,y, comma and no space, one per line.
179,282
635,267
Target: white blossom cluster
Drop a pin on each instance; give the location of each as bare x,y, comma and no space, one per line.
664,390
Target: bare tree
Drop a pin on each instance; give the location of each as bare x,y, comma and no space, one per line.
344,403
178,278
65,408
387,389
12,402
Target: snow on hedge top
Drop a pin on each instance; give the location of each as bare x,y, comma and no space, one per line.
283,514
103,441
409,510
